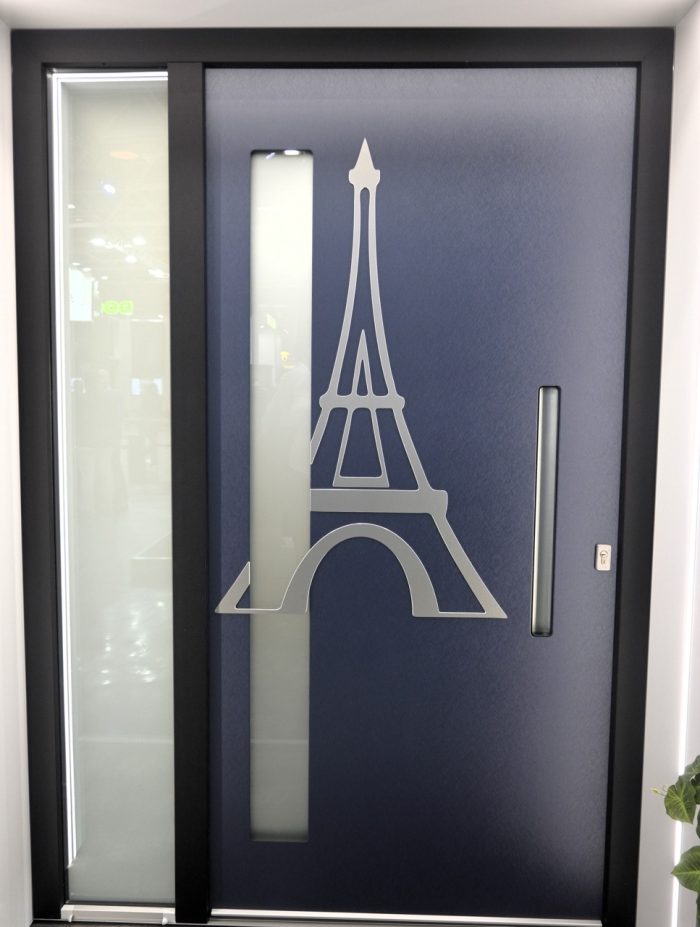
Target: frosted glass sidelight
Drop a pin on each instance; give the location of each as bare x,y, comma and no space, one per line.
111,284
280,423
545,511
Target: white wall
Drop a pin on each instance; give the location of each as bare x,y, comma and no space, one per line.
15,888
673,698
86,14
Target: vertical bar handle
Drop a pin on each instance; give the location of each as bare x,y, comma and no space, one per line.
545,511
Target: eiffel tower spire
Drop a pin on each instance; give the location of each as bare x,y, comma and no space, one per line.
363,176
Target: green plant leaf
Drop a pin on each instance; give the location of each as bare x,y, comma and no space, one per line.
679,801
692,769
687,871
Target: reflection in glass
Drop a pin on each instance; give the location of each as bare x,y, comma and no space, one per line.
110,218
281,218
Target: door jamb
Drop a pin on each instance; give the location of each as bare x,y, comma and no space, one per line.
185,53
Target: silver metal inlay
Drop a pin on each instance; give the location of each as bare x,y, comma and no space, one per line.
116,914
257,918
353,404
545,511
603,557
371,495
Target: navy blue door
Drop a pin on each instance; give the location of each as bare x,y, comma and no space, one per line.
470,247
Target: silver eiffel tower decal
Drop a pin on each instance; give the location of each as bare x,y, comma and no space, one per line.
370,495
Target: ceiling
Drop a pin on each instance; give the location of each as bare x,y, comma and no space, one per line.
73,14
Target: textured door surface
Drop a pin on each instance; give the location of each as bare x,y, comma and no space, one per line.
456,764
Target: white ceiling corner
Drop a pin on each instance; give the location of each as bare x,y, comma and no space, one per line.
78,14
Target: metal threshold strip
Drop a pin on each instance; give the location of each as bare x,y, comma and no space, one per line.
117,914
258,918
156,914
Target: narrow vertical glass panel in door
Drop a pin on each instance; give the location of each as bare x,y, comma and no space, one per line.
111,273
280,419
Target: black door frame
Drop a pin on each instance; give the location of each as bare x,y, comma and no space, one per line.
186,53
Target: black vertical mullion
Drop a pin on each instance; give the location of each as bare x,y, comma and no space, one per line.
189,489
647,250
37,468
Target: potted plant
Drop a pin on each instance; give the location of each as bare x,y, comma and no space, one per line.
681,801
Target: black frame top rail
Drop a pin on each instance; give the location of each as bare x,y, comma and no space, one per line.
185,53
441,47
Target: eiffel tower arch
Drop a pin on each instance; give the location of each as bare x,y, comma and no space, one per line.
370,496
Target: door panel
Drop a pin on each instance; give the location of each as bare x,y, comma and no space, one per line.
456,765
